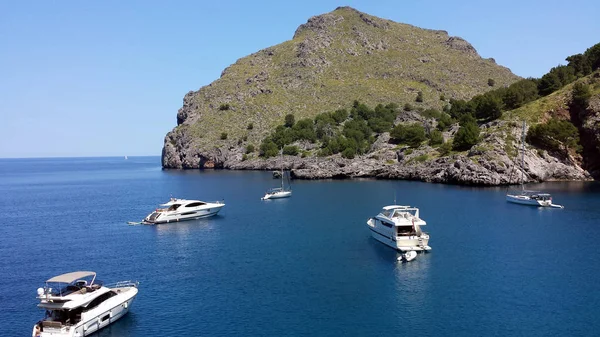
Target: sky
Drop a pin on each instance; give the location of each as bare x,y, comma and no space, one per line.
106,78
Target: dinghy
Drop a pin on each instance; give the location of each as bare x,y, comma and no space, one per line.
408,256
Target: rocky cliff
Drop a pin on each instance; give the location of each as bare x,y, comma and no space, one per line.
346,55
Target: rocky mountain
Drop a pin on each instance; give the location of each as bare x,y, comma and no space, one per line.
343,56
333,59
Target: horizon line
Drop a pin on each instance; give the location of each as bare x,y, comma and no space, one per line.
71,157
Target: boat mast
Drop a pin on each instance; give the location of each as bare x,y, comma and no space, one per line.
282,169
523,157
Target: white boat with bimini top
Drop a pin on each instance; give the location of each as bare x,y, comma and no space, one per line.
78,305
400,228
182,209
525,197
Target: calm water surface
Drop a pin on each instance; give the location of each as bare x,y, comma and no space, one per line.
300,266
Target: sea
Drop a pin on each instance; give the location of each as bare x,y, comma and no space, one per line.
303,266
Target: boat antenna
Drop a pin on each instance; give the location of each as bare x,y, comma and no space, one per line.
281,159
523,157
394,197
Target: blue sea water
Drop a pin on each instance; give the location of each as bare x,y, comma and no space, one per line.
300,266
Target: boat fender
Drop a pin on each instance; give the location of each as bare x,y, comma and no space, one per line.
125,305
36,331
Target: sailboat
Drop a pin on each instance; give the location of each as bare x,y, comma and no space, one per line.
278,192
525,197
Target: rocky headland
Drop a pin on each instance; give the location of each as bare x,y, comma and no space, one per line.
347,55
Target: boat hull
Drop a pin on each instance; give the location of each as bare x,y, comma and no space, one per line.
278,195
525,200
401,243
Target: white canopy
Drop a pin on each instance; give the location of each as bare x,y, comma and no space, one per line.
70,277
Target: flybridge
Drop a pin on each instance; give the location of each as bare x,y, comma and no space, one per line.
71,277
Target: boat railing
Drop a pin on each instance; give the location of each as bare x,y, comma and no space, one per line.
123,284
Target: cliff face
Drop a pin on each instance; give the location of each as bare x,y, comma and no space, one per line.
588,122
332,60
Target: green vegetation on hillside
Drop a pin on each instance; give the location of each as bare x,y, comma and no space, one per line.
490,105
350,134
557,135
467,135
412,135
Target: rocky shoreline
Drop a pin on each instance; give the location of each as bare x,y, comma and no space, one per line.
469,169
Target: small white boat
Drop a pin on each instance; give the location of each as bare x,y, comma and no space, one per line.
531,198
183,209
278,192
77,305
400,228
408,256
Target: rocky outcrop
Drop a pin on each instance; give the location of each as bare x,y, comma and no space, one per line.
458,169
589,129
487,163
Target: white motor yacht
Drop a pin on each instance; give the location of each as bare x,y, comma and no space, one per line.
77,305
182,209
400,228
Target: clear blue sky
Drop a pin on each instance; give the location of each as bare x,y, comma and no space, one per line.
100,78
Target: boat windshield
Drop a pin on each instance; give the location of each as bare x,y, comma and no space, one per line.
536,195
81,286
173,207
541,196
387,212
398,213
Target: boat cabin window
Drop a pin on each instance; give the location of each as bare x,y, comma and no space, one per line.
541,197
68,317
405,230
173,207
195,204
386,212
388,225
96,302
